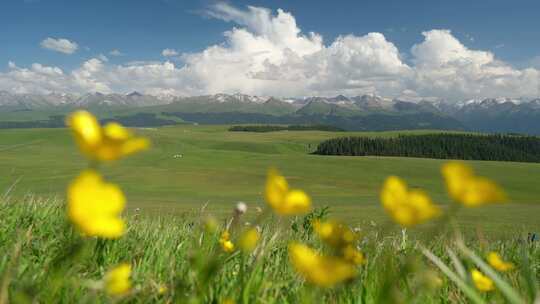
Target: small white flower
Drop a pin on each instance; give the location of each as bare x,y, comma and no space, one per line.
241,208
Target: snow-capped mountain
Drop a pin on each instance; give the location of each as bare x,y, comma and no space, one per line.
371,101
237,97
487,102
368,102
134,99
487,114
33,101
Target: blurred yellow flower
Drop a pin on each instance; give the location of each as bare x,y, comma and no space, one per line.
324,271
334,233
498,263
353,255
248,240
162,289
467,188
94,206
225,242
482,282
283,200
228,301
431,279
210,224
117,280
107,143
227,246
407,207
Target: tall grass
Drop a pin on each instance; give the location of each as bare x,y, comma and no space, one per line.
179,260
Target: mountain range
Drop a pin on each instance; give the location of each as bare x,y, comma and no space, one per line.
365,112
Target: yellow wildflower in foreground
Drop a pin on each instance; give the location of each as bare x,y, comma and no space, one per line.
283,200
248,240
431,279
162,289
467,188
481,282
117,280
210,224
228,301
325,271
107,143
407,207
353,255
334,233
94,206
225,242
498,263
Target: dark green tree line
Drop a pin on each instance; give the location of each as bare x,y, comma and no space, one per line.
443,146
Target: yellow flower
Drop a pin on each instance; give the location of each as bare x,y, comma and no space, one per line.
162,289
481,282
227,246
228,301
94,206
431,279
248,240
498,263
334,233
353,255
407,207
324,271
107,143
283,200
225,242
210,224
117,280
467,188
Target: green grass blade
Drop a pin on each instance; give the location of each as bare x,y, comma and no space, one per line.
457,263
511,295
467,290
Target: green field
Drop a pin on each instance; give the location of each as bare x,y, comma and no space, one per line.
220,168
175,256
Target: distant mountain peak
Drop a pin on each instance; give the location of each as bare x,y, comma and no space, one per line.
501,114
341,98
134,94
363,103
274,100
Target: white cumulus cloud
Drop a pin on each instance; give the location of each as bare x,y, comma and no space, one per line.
61,45
169,53
445,67
35,79
266,53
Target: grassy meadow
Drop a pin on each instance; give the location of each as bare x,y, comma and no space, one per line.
175,259
219,168
184,235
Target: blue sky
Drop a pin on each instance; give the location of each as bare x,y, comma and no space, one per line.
142,29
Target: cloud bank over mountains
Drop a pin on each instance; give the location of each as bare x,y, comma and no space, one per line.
266,53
